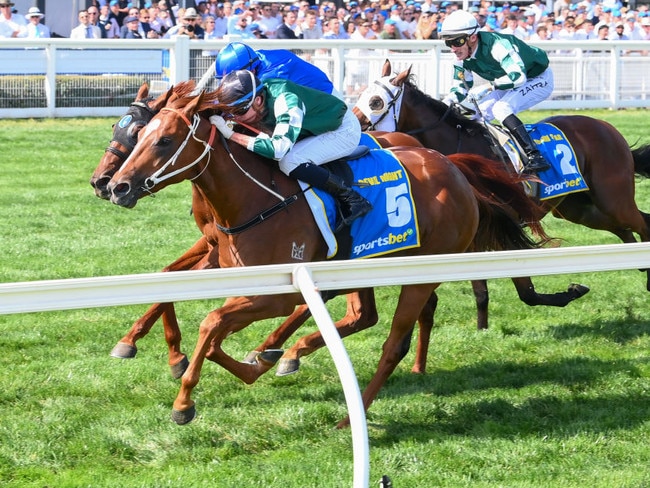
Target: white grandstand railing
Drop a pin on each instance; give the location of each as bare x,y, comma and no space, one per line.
309,278
588,74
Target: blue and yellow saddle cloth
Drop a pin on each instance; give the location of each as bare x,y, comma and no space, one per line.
391,225
564,177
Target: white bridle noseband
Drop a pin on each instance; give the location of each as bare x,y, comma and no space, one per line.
391,97
155,178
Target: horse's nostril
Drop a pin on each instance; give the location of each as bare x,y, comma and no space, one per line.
101,183
121,189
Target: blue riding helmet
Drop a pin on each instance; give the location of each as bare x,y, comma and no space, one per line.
236,56
238,89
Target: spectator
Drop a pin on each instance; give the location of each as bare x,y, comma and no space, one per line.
333,29
541,34
286,30
241,28
356,70
603,33
512,27
309,28
11,24
35,29
377,25
633,31
188,26
427,26
131,24
585,31
619,33
122,10
270,20
108,23
401,26
166,14
390,30
645,23
93,19
256,30
411,16
85,30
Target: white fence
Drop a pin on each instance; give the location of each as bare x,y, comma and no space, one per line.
43,73
309,279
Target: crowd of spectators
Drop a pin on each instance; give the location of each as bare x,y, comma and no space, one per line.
364,19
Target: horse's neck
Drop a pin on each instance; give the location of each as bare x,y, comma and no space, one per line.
239,190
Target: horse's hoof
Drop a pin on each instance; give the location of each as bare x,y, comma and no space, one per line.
578,290
287,367
185,416
270,356
124,351
251,357
179,368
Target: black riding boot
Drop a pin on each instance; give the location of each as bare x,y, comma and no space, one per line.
352,204
536,161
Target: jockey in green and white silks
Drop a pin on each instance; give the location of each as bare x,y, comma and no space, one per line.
300,127
518,74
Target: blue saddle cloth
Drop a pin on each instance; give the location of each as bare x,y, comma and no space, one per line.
564,177
391,225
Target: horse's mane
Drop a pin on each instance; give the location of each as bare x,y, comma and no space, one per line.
437,106
184,88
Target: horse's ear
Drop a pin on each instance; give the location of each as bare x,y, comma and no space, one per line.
162,100
402,77
194,106
386,69
143,92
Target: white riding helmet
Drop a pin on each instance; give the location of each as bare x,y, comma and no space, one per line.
457,24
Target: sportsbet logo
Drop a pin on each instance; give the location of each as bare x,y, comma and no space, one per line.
388,240
563,185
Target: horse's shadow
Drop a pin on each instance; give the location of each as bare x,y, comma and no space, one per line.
621,332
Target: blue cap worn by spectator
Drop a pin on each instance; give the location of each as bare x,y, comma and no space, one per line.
353,4
114,2
390,22
395,7
131,18
238,11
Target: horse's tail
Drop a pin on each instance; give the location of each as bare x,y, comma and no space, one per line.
642,160
504,205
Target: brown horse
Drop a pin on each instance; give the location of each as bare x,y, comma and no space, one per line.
606,161
203,254
238,190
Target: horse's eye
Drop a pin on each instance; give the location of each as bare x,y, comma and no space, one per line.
164,141
376,104
134,129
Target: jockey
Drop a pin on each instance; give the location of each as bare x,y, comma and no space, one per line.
300,127
519,77
276,63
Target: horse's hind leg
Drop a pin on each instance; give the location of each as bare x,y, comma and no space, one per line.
528,295
426,321
361,314
279,336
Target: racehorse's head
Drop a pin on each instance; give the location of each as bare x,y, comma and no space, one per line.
173,146
378,107
125,133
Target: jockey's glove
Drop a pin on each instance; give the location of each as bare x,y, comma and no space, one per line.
220,123
478,92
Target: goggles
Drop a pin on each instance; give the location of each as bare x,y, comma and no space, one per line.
457,42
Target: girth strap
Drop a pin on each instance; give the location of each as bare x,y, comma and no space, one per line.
261,217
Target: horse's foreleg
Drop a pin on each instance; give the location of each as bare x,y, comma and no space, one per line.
425,322
361,314
529,296
236,314
197,257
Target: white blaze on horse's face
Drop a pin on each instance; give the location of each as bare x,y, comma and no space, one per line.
381,103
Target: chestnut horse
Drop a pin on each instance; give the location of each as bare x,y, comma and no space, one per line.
203,254
606,161
238,188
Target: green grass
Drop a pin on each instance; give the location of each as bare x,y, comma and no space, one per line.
547,397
